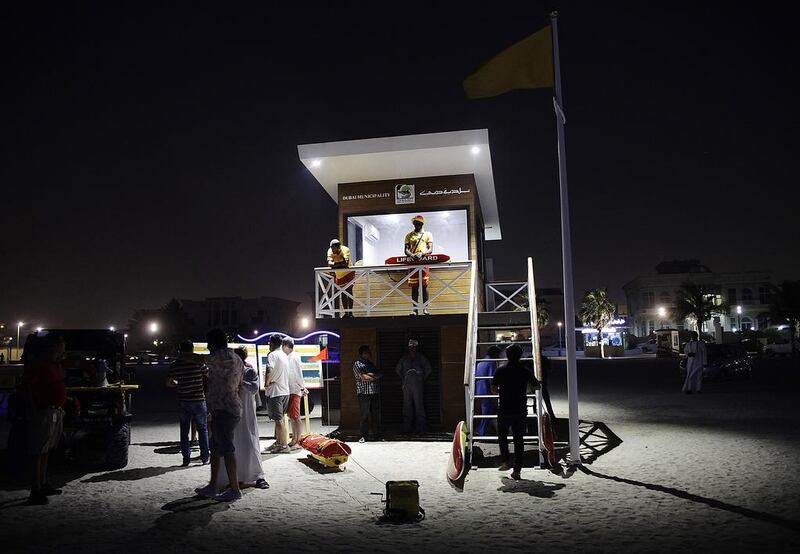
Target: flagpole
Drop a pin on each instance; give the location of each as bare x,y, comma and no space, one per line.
566,256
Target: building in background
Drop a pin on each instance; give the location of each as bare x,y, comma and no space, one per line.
192,319
245,316
651,298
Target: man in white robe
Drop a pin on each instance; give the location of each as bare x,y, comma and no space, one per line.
695,351
246,441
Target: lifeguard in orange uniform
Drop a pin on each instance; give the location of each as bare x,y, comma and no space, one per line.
418,244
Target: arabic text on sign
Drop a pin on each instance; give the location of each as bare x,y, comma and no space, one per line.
459,190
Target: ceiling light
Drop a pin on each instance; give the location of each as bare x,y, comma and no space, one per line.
316,163
476,150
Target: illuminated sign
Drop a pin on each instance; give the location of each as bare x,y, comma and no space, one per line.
312,369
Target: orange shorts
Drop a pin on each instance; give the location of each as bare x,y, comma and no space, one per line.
294,406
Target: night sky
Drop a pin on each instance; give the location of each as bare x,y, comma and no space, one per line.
152,154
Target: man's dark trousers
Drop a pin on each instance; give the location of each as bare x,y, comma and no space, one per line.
517,424
370,410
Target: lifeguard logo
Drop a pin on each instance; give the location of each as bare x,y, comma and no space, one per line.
404,194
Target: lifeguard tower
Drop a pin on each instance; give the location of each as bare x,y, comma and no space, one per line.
380,185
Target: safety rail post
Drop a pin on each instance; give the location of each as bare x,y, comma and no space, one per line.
536,355
469,354
317,293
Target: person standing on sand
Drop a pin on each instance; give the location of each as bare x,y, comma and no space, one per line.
695,351
297,390
276,386
189,377
225,374
44,393
413,369
368,389
245,437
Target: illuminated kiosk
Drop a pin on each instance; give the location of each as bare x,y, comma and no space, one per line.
612,337
379,185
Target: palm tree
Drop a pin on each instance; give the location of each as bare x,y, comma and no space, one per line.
542,308
785,306
597,311
699,303
542,312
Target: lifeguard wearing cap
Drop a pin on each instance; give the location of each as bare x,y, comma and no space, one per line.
418,243
339,258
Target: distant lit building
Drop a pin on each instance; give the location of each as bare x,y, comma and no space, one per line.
240,315
192,319
651,298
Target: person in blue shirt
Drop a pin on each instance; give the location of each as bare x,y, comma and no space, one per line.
486,368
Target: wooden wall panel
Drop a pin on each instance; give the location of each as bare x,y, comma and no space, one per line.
453,345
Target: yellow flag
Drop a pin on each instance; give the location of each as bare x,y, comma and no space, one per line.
527,64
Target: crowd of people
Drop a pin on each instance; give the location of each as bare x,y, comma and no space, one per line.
220,393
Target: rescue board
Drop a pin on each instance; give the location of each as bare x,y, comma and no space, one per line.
547,439
328,452
457,464
408,260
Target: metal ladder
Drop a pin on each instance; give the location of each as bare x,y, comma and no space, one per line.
481,346
481,334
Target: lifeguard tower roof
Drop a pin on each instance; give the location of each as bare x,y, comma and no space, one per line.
408,157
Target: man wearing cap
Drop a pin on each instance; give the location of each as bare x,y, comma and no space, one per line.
339,258
413,369
419,243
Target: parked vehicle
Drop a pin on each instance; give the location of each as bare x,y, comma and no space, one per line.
781,349
99,396
724,361
148,357
649,346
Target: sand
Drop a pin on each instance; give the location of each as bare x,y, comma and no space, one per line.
717,471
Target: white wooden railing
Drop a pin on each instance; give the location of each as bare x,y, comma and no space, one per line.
508,296
385,290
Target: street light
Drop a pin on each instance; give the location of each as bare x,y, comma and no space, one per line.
304,323
153,327
559,337
662,313
739,317
255,332
19,326
112,328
